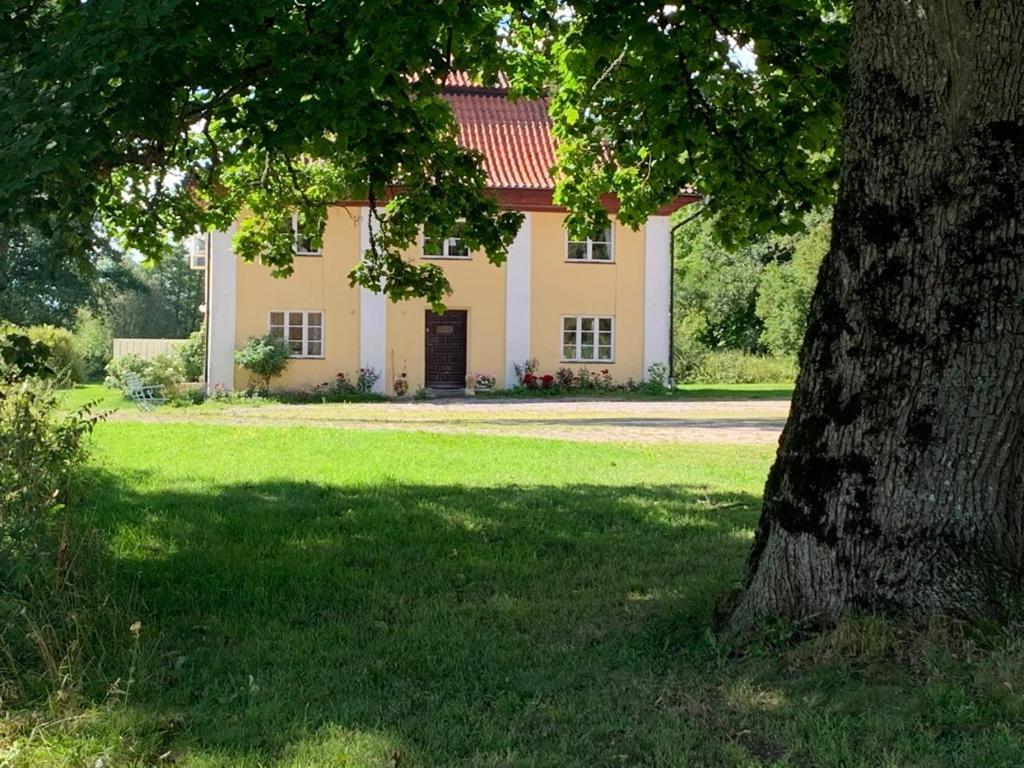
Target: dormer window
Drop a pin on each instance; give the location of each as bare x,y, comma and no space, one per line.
436,246
599,247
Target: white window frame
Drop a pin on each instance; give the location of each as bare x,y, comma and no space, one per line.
579,333
446,246
295,238
305,341
197,251
589,258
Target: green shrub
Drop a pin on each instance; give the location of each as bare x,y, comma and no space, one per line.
40,447
64,357
264,357
688,357
49,608
193,355
165,370
21,357
94,344
742,368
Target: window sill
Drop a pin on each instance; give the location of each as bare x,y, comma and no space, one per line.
448,258
307,357
588,362
589,261
308,254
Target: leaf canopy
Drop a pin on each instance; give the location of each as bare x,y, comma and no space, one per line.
164,116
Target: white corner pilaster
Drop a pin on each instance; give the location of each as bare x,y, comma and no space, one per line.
657,288
220,311
373,315
517,300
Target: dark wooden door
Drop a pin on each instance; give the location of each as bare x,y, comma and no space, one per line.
446,349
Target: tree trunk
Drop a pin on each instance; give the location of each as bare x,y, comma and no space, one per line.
899,482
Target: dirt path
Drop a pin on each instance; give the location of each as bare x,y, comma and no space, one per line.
733,421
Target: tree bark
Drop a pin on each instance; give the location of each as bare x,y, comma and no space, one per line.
899,481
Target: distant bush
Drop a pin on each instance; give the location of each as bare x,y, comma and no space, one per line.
94,344
165,370
64,357
193,355
688,357
729,367
264,357
784,295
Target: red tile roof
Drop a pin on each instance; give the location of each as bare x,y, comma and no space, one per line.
513,136
515,140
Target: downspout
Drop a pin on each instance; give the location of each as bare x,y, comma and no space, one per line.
206,315
672,287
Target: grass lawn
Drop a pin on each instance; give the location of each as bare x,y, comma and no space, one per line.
319,597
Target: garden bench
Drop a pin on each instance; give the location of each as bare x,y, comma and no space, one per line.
146,396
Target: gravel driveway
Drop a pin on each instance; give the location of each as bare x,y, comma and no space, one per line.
732,421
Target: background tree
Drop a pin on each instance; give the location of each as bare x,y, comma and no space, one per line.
162,303
741,310
41,284
785,288
716,290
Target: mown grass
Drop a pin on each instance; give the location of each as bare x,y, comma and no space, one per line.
316,597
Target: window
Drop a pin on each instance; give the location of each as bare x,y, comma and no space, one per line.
451,247
302,329
301,244
197,252
599,247
588,339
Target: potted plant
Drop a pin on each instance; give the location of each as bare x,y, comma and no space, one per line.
485,382
401,385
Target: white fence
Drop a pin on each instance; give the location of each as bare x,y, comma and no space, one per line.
145,348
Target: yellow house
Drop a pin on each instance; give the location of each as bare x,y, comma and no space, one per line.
597,304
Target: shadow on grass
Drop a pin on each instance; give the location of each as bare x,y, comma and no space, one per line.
453,625
733,392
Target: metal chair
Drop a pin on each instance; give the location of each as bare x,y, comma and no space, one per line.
146,396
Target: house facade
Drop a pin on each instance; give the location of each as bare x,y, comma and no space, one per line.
600,304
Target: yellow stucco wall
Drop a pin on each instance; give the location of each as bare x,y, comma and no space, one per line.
561,288
557,288
318,283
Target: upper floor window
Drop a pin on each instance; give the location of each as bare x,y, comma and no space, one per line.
301,243
436,246
587,339
599,247
302,329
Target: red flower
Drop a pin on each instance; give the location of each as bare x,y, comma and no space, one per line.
548,380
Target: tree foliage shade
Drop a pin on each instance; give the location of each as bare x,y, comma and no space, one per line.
163,116
650,95
169,115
